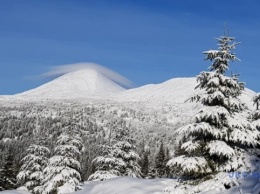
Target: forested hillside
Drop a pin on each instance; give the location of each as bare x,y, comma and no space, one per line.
22,123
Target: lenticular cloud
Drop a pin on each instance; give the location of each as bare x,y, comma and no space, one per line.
112,75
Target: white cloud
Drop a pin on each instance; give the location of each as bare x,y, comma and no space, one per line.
112,75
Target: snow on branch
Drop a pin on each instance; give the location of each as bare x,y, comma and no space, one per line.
102,175
212,114
202,128
244,137
220,148
190,146
190,164
243,131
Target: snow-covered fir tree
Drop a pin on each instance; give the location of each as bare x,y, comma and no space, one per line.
120,159
256,100
31,172
178,150
1,180
256,113
62,173
8,173
166,159
107,166
219,132
125,150
160,161
145,164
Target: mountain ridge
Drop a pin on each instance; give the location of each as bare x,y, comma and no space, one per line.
91,84
81,83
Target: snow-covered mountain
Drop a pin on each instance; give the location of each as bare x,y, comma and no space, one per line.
89,83
86,83
176,90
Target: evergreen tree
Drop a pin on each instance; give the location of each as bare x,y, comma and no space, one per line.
1,180
166,159
8,173
125,151
178,150
256,101
31,172
63,170
152,172
219,132
107,166
145,164
160,161
256,114
120,159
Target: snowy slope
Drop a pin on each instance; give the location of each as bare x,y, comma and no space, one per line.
176,90
129,185
15,192
90,83
83,83
125,185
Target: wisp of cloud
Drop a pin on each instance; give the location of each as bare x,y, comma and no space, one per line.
112,75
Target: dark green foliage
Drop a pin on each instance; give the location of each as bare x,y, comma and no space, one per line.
8,174
256,101
178,151
256,115
160,164
152,172
145,164
1,179
166,159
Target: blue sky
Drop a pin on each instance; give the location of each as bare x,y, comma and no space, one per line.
147,41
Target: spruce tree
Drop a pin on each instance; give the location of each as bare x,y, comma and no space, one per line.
256,100
120,159
256,114
178,150
152,172
63,169
31,172
219,132
107,166
1,180
160,161
145,164
8,173
166,159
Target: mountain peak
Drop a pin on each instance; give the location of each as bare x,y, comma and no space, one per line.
81,83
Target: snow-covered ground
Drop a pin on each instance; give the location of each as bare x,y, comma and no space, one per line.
18,191
125,185
130,185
